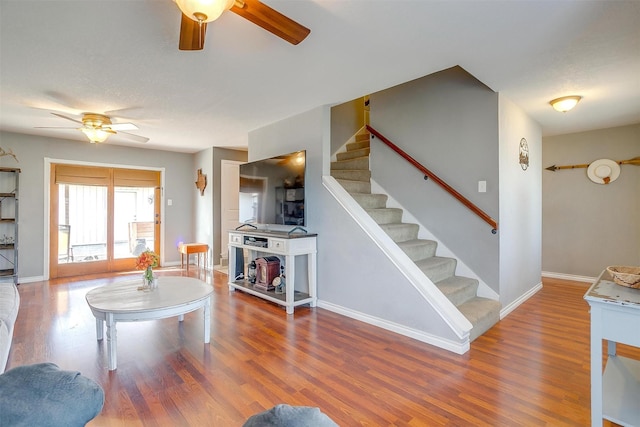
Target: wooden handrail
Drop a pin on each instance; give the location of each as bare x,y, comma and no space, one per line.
427,173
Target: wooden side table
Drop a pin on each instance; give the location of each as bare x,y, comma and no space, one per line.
193,248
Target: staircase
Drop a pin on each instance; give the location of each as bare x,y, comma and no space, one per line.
352,171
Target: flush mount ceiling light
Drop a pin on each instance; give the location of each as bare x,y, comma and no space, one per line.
565,103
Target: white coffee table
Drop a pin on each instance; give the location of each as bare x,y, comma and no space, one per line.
123,302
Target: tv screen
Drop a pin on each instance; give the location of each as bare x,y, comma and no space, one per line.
272,190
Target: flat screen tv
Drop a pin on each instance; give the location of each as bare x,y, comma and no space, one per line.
272,190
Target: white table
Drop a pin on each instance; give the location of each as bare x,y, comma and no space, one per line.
615,317
123,302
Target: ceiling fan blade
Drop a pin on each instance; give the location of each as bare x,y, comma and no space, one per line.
272,21
68,118
122,126
191,34
133,137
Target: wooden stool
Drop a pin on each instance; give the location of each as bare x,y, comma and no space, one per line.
193,248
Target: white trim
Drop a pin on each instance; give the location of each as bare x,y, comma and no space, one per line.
459,324
455,347
568,277
47,180
519,301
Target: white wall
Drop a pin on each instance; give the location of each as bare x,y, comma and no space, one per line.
589,226
520,204
203,204
31,151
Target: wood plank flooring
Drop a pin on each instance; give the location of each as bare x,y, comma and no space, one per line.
531,369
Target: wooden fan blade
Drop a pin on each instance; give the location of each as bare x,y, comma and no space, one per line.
133,137
68,118
272,21
191,34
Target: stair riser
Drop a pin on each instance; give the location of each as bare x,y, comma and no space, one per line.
360,163
439,271
348,155
370,201
358,145
352,175
401,233
419,252
459,295
356,186
385,216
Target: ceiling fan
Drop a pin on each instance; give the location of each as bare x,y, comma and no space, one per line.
196,14
98,127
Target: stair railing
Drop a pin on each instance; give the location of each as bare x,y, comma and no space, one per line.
428,174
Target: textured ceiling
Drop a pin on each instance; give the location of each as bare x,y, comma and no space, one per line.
121,57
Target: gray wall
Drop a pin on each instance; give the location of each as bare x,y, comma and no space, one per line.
447,121
589,226
352,273
31,152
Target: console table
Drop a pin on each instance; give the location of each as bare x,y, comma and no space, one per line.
615,316
286,245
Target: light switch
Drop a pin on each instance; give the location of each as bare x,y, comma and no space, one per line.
169,202
482,186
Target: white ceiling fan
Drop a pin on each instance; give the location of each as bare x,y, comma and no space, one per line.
98,127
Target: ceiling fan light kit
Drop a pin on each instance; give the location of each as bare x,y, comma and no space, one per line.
204,10
197,13
565,103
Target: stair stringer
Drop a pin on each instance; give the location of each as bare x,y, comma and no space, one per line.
462,269
450,314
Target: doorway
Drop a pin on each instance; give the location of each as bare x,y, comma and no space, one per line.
101,218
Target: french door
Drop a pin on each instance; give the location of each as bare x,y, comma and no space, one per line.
101,219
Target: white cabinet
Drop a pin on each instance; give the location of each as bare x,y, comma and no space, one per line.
615,316
287,247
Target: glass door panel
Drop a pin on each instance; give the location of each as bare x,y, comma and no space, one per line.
134,221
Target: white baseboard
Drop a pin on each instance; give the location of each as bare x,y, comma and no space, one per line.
568,277
515,304
455,347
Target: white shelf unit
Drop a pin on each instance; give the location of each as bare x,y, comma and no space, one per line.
9,184
615,315
284,245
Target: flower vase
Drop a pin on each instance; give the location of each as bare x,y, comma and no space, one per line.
149,281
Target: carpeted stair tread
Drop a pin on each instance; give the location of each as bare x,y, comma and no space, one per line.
417,249
370,201
353,154
358,144
437,268
385,215
355,186
458,289
483,313
401,232
352,175
357,163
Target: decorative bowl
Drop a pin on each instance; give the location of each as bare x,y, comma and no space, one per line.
625,276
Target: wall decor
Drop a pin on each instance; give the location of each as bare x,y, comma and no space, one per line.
524,154
8,153
201,182
601,171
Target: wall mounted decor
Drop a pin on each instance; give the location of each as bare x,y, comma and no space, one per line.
524,154
601,171
201,182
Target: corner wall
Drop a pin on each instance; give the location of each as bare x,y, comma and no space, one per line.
520,205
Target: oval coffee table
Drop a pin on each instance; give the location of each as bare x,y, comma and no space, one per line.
123,302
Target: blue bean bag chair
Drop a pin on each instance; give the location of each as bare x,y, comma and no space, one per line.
43,395
290,416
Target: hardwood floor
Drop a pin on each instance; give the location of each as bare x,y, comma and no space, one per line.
531,369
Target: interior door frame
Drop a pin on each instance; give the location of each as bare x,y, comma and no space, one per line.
224,236
49,236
